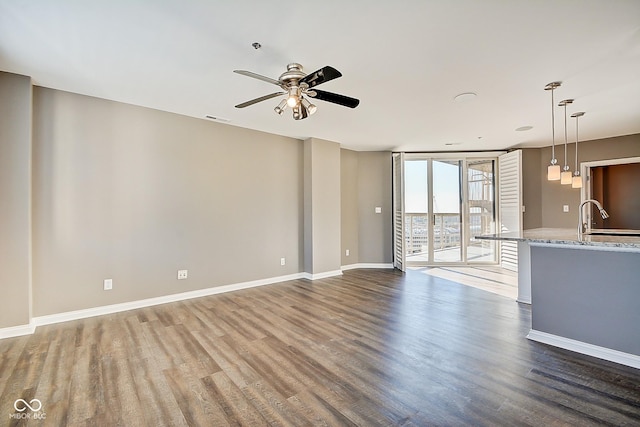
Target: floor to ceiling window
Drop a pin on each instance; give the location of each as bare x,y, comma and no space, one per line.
441,203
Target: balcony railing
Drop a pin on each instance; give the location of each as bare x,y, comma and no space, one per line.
446,230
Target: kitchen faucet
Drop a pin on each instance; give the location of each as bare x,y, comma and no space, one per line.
582,226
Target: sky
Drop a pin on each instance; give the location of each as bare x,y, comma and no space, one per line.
446,187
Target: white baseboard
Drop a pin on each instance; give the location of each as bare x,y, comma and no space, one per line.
116,308
324,275
365,265
585,348
17,331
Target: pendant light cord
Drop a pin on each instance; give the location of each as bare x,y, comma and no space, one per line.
566,166
553,129
577,117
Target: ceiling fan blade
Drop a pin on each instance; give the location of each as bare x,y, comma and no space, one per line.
320,76
258,76
335,98
262,98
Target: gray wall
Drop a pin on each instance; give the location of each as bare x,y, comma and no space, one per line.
554,195
365,185
375,233
587,295
15,199
349,206
109,190
135,194
531,189
321,206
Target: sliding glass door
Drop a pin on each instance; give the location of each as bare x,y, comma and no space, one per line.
446,202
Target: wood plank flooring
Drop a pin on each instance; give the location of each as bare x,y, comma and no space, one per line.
370,348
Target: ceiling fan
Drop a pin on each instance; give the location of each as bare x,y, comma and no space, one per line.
298,86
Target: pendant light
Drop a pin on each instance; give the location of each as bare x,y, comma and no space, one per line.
553,171
576,181
565,176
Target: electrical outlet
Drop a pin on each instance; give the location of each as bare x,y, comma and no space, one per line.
378,210
183,274
283,261
346,252
107,284
565,208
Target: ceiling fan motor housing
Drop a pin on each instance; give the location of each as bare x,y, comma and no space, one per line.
292,75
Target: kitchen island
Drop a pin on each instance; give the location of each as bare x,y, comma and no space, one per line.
584,290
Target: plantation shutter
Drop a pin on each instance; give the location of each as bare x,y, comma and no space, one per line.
398,212
510,205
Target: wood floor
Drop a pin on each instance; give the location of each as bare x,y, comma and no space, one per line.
370,348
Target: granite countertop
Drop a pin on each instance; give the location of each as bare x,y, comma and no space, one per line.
566,236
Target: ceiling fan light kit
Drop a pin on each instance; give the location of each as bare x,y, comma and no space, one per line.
297,88
311,108
279,108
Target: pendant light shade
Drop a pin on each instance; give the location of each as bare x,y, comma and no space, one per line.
553,171
576,181
566,177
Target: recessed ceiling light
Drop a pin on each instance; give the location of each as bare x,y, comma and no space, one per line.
465,97
218,119
524,128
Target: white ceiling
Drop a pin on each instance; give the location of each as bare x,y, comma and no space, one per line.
405,61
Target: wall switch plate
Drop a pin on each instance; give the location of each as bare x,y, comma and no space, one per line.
183,274
346,252
565,208
283,261
378,209
107,284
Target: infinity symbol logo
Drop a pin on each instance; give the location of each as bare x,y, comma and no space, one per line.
35,408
